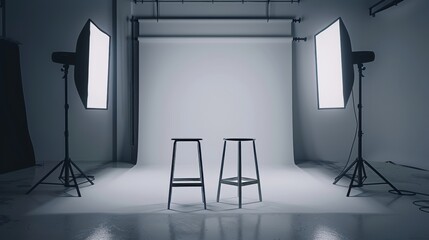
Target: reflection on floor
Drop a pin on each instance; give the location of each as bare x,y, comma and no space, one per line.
130,203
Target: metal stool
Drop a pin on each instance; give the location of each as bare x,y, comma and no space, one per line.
239,181
187,182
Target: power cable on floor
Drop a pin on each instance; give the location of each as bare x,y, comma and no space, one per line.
407,166
422,204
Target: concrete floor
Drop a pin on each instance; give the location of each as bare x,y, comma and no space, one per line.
300,202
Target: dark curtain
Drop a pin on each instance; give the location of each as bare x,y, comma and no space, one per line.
16,149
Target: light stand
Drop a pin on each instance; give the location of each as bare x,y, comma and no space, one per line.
359,173
91,77
67,175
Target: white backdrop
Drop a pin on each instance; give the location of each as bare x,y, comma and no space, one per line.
213,88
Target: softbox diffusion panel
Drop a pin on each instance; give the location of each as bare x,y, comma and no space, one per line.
16,149
92,66
334,66
215,87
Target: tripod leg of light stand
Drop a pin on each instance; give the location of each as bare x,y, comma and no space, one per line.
62,172
338,178
382,177
75,182
41,180
353,178
364,172
87,178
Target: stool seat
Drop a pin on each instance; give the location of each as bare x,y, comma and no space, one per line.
186,139
239,139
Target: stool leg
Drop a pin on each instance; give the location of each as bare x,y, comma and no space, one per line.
239,175
203,190
221,171
257,171
172,174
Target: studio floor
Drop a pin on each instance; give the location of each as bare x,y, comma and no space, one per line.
130,202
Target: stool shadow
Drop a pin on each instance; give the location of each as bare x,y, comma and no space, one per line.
187,208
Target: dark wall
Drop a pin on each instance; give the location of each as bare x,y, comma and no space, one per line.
16,150
397,85
123,97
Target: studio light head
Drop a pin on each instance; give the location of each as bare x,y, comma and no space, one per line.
363,57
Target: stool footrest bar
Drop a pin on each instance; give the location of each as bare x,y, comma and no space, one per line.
187,185
186,179
244,181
